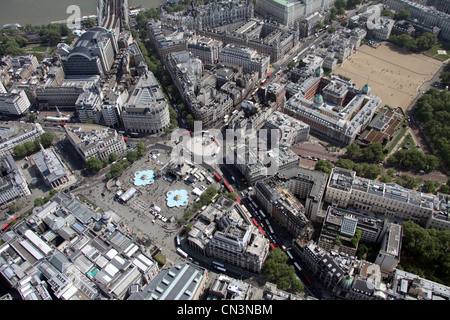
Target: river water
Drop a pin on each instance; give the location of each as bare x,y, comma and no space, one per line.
39,12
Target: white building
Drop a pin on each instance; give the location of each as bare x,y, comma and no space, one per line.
91,140
92,54
339,112
51,168
88,106
14,102
12,183
206,49
388,257
424,14
250,60
146,110
287,12
345,189
225,232
289,130
17,134
111,107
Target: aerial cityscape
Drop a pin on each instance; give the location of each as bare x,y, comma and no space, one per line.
226,150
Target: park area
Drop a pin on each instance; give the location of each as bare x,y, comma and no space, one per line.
394,75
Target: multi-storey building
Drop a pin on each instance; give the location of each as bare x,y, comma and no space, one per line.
111,107
282,205
346,115
218,13
429,16
12,183
65,250
166,39
92,54
345,189
88,106
225,232
14,103
51,168
287,12
339,229
17,134
64,96
181,282
146,110
388,257
289,130
206,49
91,140
308,185
198,89
249,59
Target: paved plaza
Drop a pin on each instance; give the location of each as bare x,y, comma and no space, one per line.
147,212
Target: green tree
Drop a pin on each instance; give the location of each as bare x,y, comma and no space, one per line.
12,208
94,164
112,157
402,14
276,270
345,163
46,139
52,37
132,156
353,150
444,189
387,13
291,65
430,186
141,148
31,117
231,196
21,41
374,152
20,151
90,23
425,251
323,166
190,121
116,169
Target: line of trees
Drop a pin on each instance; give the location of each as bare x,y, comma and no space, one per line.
29,147
445,75
94,164
413,159
277,270
432,110
418,43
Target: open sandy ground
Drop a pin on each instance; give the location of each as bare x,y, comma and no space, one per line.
393,75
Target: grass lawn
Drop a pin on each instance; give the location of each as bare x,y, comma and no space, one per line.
433,52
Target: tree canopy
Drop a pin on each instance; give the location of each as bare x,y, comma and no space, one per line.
93,165
425,252
433,111
324,166
413,159
421,43
277,270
